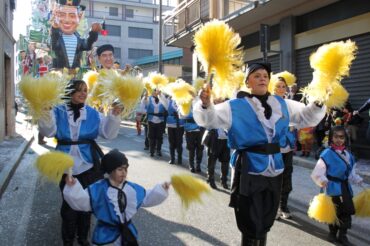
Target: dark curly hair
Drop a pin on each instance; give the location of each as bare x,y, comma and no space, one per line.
335,129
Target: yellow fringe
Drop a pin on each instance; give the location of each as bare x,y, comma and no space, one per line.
43,93
331,62
189,188
216,46
323,209
157,80
199,83
53,165
90,78
362,203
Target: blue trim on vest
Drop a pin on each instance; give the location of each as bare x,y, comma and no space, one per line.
240,135
171,119
150,110
140,193
336,167
188,126
89,129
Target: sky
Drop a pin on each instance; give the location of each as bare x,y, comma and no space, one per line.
22,17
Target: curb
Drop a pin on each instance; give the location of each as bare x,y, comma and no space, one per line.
8,171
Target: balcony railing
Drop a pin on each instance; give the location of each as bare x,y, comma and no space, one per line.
190,12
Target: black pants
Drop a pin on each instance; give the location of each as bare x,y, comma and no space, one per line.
286,187
175,135
155,135
76,221
255,212
194,146
146,142
320,135
218,151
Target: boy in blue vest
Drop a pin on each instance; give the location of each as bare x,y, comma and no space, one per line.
113,201
333,171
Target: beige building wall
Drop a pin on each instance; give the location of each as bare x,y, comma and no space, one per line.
7,111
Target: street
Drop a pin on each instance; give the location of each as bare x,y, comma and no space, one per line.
29,208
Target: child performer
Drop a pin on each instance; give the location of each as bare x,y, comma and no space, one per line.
113,201
334,170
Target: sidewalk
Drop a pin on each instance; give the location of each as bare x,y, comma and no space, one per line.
12,150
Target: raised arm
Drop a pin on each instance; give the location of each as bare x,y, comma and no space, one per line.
156,195
302,115
76,196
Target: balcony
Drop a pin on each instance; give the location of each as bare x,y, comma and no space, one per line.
190,13
121,16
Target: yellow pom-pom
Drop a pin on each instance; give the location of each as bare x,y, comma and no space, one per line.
53,165
216,46
90,78
181,91
43,93
157,80
323,209
199,83
362,203
185,108
189,188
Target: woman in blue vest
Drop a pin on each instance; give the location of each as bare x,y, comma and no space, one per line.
288,146
156,114
333,171
256,123
76,126
194,134
113,201
175,129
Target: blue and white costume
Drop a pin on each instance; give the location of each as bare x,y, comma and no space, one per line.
102,199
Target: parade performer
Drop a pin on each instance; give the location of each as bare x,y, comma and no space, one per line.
66,43
175,129
113,201
278,86
256,123
334,171
156,113
76,126
194,134
216,142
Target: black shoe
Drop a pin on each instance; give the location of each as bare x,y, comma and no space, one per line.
151,154
171,162
332,237
285,213
146,148
225,186
192,170
159,153
343,240
179,161
213,185
84,243
198,170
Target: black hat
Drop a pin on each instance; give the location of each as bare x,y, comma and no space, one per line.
103,48
255,66
112,160
69,2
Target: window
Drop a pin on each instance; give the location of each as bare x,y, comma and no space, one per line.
136,32
138,53
129,13
113,30
113,11
117,53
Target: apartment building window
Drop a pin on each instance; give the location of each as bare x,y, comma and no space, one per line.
113,30
129,13
113,11
117,53
137,32
138,53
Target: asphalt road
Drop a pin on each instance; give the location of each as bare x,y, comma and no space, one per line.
29,208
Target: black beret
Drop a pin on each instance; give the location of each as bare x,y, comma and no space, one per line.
69,2
103,48
113,160
255,66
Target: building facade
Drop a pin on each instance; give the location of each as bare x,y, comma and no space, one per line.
133,26
7,100
297,28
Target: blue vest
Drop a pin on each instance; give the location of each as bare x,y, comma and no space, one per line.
107,228
89,129
290,139
171,119
247,131
190,124
338,168
150,110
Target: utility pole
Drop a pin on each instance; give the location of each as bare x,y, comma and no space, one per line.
160,39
